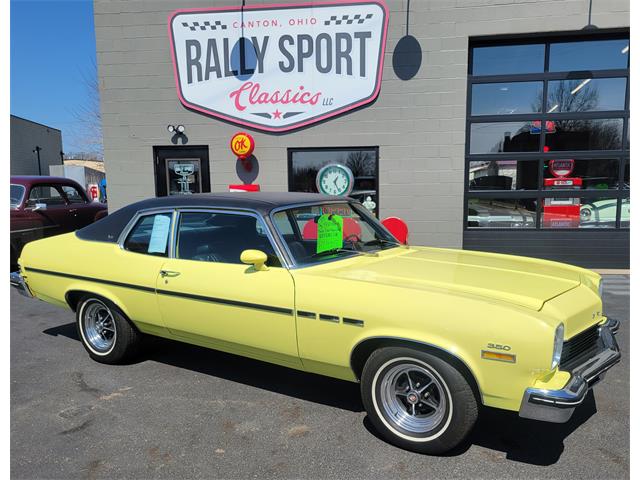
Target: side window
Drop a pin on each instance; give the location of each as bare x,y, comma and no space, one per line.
221,237
150,235
46,194
72,194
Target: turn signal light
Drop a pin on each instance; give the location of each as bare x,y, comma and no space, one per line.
501,357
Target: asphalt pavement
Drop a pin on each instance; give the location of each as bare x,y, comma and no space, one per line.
182,411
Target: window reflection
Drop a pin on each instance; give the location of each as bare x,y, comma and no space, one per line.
586,95
508,59
503,175
503,137
501,213
581,134
589,55
581,212
506,98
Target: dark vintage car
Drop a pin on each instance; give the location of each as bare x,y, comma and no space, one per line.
46,206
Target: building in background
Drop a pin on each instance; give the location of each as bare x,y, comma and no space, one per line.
28,139
493,125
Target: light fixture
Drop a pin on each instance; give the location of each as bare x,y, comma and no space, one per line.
180,128
553,109
171,128
625,50
573,92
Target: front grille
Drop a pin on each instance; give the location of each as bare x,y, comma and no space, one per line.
580,348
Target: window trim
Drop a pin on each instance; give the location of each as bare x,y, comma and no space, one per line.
540,156
134,221
376,149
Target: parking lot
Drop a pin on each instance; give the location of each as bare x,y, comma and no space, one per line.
182,411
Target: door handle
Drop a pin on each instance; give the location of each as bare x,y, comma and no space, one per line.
168,273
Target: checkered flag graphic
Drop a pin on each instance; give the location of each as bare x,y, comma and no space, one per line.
193,26
347,19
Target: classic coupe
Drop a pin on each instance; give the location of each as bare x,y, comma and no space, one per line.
45,206
317,283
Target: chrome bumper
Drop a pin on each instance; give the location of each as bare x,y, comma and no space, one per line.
557,406
18,282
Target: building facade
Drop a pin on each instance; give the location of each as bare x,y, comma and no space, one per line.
34,147
475,121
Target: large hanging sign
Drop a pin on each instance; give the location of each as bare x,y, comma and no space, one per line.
279,67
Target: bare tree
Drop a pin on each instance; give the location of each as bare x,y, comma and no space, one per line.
89,119
360,163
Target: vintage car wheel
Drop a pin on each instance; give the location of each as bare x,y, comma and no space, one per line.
417,401
104,330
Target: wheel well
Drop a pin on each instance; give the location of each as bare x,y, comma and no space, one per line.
73,297
364,349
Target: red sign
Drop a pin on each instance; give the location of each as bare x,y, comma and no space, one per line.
93,191
561,168
242,145
245,188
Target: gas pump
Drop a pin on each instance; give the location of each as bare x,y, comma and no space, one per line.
561,212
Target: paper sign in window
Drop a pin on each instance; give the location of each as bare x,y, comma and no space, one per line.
159,234
329,233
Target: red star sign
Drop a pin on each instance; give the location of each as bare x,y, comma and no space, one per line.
277,114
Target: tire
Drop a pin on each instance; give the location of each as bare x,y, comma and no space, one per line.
117,342
443,401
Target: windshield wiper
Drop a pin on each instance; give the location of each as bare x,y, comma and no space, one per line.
333,251
382,241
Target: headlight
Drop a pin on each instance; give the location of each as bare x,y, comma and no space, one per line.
558,340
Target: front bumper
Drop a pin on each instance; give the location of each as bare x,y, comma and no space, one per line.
558,405
19,283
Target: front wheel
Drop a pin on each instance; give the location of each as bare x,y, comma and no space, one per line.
416,400
105,332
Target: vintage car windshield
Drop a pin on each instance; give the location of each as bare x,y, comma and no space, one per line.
361,232
17,192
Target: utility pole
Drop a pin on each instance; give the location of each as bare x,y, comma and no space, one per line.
37,152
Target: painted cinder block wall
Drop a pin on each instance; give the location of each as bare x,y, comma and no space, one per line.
418,124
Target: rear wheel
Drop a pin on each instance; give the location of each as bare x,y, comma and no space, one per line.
416,400
105,332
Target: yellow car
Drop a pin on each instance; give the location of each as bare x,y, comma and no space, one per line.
316,283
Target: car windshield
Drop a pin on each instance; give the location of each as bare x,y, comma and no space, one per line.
331,231
17,191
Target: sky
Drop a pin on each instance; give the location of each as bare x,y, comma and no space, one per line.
53,53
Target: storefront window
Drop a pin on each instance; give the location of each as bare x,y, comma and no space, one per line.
589,55
586,95
503,175
548,115
306,164
504,137
506,98
501,213
508,59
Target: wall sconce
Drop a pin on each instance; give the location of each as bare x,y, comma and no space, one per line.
178,130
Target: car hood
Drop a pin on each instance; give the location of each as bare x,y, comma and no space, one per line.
521,281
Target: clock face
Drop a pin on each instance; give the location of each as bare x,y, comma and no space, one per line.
335,180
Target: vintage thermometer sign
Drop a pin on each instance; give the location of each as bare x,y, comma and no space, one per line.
279,67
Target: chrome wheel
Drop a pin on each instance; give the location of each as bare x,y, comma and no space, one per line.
98,326
413,398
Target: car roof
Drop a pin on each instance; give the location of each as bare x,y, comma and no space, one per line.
110,227
263,202
39,179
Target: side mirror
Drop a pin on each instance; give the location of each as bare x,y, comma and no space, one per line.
257,258
39,206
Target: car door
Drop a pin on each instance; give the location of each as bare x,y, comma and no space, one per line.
46,211
80,208
206,294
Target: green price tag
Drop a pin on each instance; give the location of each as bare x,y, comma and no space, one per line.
329,232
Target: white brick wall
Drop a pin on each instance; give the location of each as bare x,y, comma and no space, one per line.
419,124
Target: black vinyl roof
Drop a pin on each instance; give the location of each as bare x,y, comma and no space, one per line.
109,228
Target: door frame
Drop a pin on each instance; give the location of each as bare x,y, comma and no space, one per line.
180,151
